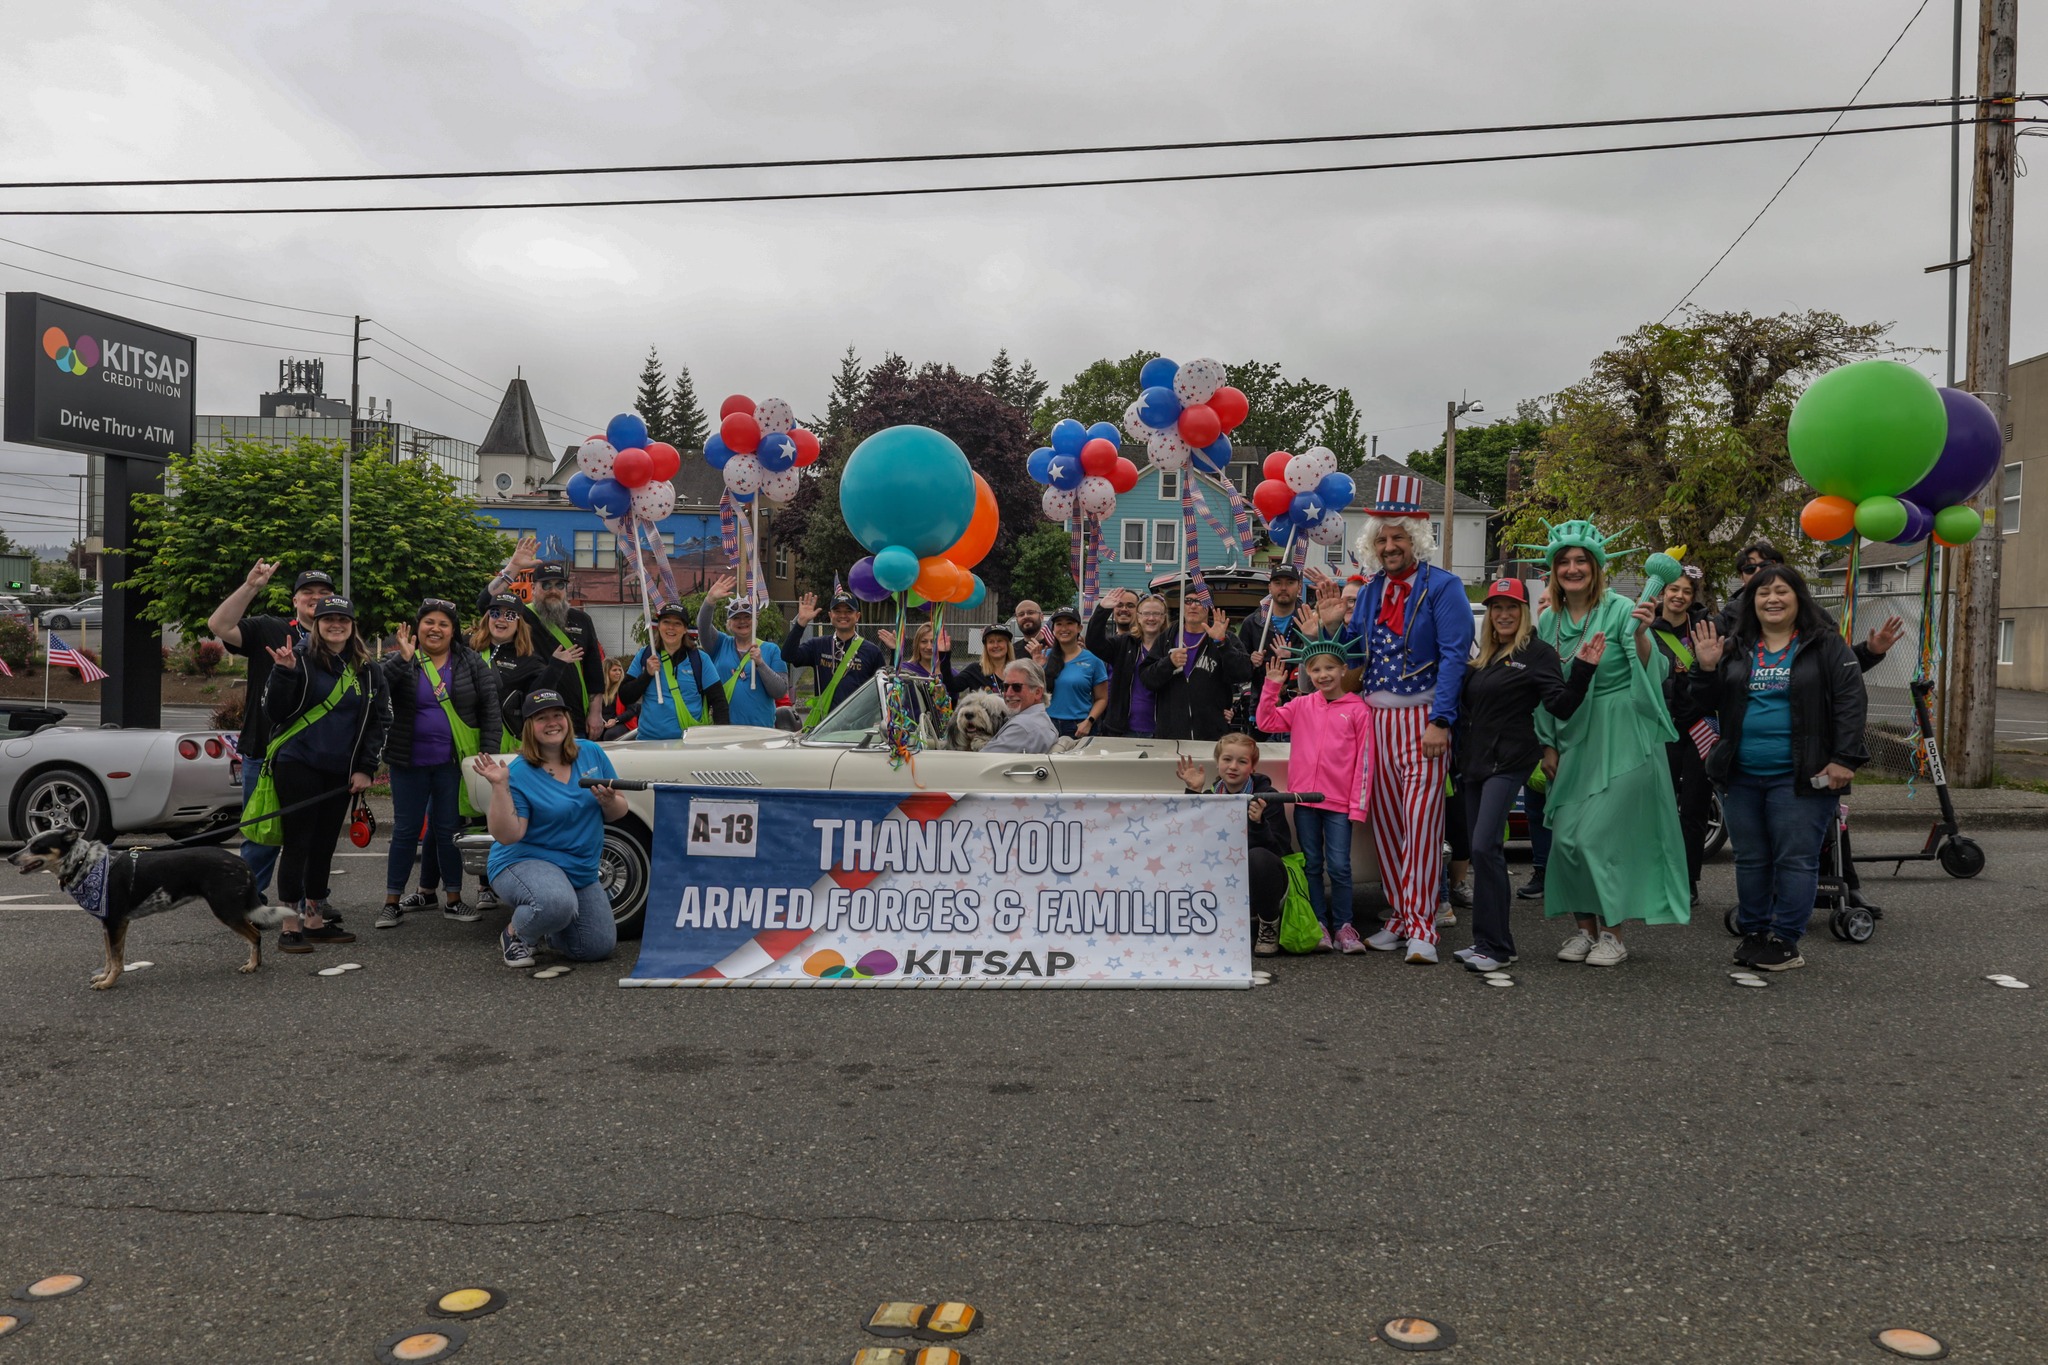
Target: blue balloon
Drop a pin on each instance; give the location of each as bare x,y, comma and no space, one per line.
1068,436
1106,431
579,489
626,431
1158,408
1282,528
1158,374
979,595
896,568
1214,457
907,486
1039,465
776,452
717,451
610,498
1336,491
1065,472
1307,509
741,498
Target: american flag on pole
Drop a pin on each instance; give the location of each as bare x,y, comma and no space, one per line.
62,655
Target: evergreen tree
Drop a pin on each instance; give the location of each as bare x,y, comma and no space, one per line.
1340,432
1017,385
848,387
687,424
652,400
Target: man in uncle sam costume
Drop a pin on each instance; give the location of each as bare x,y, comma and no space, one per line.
1411,631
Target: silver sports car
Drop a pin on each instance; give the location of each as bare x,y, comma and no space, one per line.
109,782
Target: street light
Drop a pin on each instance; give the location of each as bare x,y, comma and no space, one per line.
1453,410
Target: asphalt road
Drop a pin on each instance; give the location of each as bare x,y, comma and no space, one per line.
1640,1165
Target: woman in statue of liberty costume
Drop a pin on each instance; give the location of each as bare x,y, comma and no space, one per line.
1617,853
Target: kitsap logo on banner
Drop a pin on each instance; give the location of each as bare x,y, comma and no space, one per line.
81,379
936,891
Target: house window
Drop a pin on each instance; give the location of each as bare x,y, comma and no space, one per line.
781,560
1244,478
1166,542
2009,499
1169,485
597,550
2005,640
1132,551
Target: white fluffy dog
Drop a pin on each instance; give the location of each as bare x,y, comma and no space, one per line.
976,718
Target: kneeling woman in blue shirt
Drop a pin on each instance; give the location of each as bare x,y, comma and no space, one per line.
549,831
674,683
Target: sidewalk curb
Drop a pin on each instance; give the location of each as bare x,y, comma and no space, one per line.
1966,821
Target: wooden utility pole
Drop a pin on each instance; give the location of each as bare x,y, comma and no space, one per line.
1973,716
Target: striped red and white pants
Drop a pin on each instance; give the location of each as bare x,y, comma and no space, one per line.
1408,818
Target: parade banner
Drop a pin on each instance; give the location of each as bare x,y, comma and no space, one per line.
937,891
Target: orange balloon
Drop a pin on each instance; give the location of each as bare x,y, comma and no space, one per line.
1828,518
980,536
935,577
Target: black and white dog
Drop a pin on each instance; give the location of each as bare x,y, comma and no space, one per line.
115,886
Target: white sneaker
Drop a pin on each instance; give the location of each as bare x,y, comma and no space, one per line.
1608,952
1445,914
1421,954
1480,962
1384,941
1577,948
1465,954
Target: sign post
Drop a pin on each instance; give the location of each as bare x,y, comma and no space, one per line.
93,382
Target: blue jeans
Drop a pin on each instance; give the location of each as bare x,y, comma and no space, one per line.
431,794
1777,833
1533,802
1326,847
261,858
576,921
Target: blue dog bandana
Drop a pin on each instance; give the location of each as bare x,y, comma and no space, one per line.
90,890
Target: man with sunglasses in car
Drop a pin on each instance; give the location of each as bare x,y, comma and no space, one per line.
1029,730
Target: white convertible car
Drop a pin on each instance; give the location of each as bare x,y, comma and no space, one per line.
847,751
110,781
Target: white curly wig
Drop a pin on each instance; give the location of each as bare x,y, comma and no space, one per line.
1421,533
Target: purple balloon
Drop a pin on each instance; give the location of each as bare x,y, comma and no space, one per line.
861,581
1969,457
1919,523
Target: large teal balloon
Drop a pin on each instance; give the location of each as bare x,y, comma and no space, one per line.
895,568
907,486
1875,427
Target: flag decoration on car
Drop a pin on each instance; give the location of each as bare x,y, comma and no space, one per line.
62,655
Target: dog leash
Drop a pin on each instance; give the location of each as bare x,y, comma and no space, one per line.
217,831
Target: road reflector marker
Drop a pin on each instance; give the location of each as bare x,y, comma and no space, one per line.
135,966
421,1345
952,1320
1904,1341
1755,983
896,1319
2015,985
51,1287
475,1302
934,1323
1500,981
1417,1334
938,1355
880,1355
10,1323
332,971
2001,976
550,973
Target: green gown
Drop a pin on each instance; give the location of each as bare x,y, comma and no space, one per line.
1617,852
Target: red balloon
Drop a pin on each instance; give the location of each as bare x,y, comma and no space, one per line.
740,432
739,402
633,467
1276,465
1272,497
1198,425
1230,406
1124,477
666,459
1099,456
806,446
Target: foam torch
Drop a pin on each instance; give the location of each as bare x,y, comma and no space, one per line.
1660,571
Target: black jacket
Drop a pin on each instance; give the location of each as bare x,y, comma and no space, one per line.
519,674
584,680
822,653
472,686
1496,731
1270,830
1828,706
349,738
1126,656
1192,706
1732,609
1678,698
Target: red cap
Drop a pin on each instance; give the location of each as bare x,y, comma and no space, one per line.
1510,588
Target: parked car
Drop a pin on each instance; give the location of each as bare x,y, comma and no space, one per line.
112,781
12,609
71,617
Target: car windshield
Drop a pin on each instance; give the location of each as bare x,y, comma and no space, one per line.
853,719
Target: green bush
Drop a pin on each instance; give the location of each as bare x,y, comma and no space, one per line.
17,644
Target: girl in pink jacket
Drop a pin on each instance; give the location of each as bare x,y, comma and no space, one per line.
1330,736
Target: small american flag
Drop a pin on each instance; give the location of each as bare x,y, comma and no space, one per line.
62,655
1705,735
5,671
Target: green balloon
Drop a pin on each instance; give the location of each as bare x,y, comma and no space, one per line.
1870,428
1880,518
1957,525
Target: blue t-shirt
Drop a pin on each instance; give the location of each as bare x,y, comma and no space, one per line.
658,703
564,825
748,701
1767,724
1073,691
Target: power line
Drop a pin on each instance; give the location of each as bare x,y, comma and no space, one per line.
575,422
166,303
415,382
1800,167
238,298
794,196
1222,144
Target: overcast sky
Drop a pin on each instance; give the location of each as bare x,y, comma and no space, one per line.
1407,286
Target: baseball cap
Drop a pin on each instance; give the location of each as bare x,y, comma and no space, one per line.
1065,614
1512,588
998,628
674,609
542,699
1284,571
313,578
556,572
844,600
335,606
505,601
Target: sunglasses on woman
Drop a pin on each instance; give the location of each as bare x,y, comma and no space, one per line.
503,614
437,604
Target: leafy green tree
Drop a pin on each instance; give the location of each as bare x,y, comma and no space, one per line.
1043,568
1483,455
57,577
1017,385
1285,413
414,535
1339,431
687,424
848,387
1099,393
651,402
1678,434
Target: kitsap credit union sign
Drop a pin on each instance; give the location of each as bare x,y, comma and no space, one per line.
81,379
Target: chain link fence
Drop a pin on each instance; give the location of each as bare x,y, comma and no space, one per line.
1889,733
